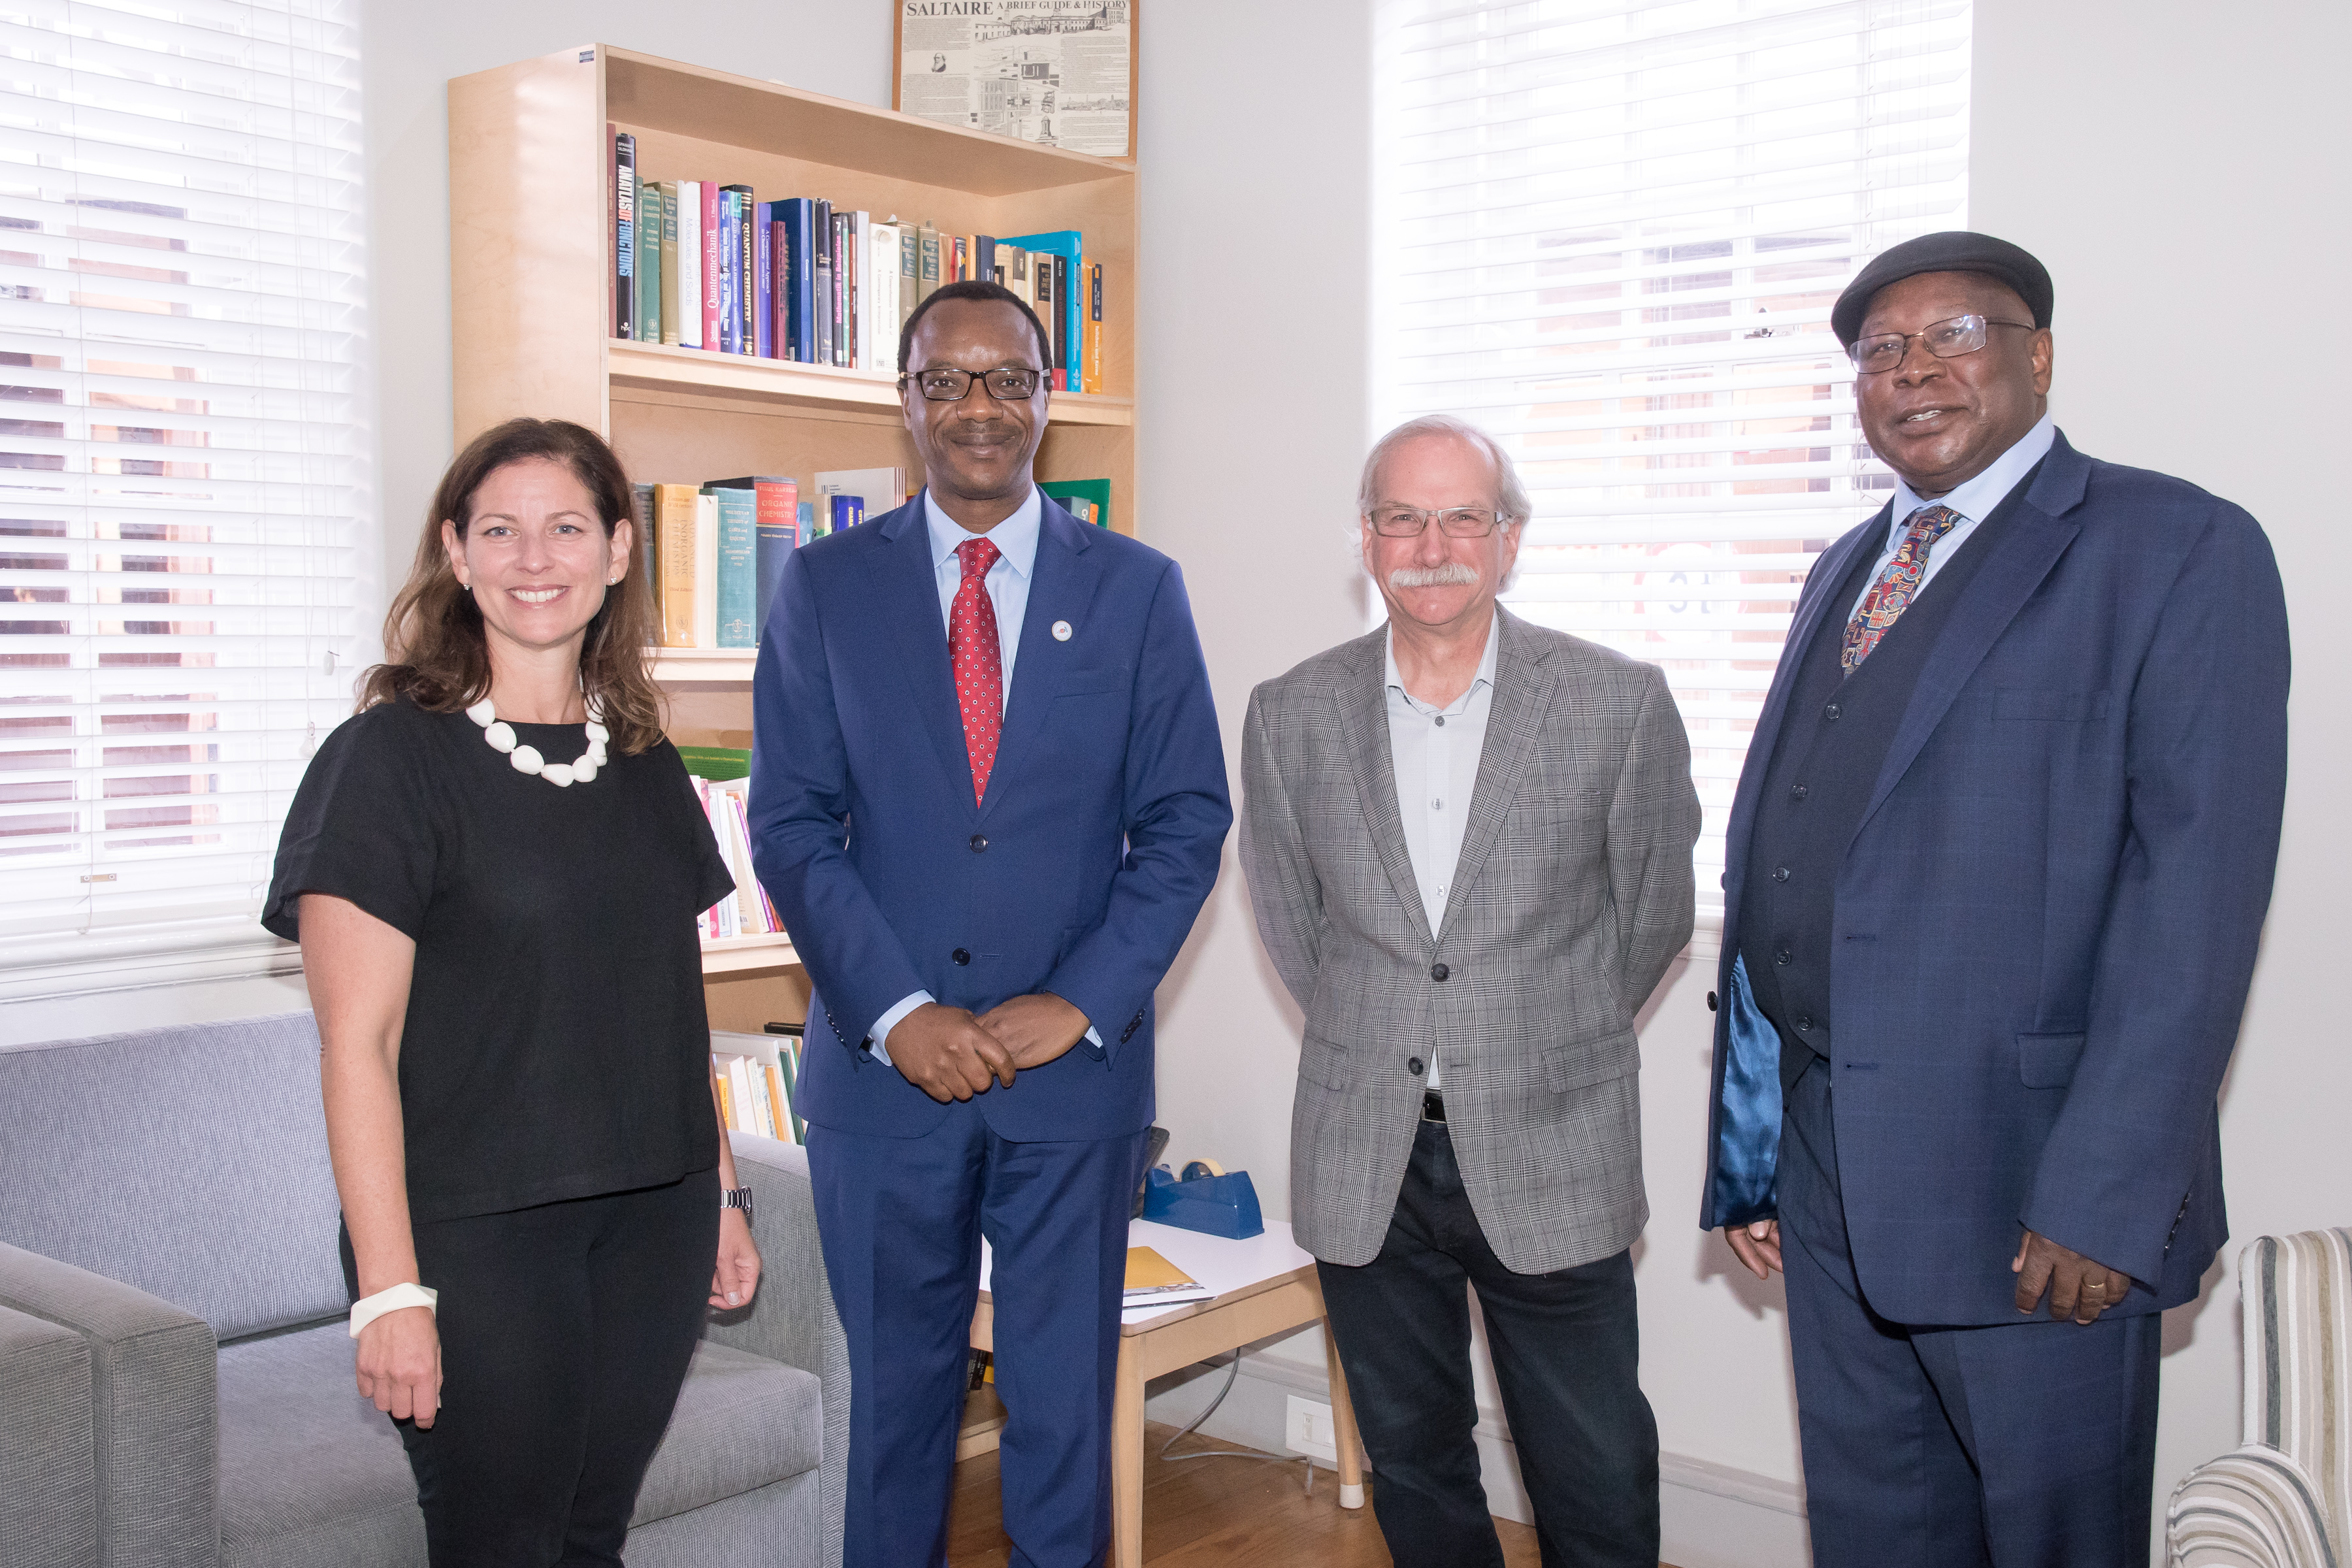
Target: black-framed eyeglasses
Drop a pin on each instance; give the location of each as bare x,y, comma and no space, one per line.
1944,340
1010,384
1391,521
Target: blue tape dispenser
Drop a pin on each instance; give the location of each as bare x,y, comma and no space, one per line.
1206,1199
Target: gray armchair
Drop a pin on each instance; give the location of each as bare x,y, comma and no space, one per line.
175,1376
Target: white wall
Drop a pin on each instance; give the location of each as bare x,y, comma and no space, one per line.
2188,196
1252,425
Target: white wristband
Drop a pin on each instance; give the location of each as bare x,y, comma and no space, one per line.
369,1309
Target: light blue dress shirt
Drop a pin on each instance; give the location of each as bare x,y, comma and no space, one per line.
1974,501
1434,752
1007,584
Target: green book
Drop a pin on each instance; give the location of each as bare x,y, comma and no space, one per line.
650,218
1095,491
715,763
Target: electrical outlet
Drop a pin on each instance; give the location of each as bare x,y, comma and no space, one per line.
1309,1430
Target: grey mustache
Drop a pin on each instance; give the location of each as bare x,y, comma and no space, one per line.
1450,575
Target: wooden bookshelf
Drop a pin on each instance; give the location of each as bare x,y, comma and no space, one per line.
530,264
531,270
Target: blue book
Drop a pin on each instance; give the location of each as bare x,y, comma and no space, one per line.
1069,304
730,274
809,529
777,525
739,567
799,262
848,511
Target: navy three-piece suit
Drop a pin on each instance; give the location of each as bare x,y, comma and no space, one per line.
1079,873
1992,907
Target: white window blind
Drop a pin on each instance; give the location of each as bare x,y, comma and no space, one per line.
1611,231
183,467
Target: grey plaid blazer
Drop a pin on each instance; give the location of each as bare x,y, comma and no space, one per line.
1573,893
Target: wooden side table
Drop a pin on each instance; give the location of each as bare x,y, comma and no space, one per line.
1264,1286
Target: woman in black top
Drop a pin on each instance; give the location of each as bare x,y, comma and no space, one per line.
495,870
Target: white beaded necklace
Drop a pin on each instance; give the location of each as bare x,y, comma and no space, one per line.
527,759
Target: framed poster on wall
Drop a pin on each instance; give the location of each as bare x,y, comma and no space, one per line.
1057,72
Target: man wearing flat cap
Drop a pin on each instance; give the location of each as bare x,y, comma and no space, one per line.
1996,874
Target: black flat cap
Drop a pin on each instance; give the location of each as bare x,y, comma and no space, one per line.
1954,250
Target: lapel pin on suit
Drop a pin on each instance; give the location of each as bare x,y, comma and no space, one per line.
1061,631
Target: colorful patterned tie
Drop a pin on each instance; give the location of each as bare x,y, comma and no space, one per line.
979,661
1890,595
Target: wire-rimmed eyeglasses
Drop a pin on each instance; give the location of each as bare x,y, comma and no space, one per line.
1395,521
1009,383
1944,340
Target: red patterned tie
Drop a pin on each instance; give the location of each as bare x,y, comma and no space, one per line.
1891,593
979,661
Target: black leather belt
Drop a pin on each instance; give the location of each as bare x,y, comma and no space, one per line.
1433,1105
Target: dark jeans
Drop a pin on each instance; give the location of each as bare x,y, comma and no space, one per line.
565,1333
2022,1445
1566,1354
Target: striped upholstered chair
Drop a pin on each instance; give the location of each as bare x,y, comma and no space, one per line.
2284,1498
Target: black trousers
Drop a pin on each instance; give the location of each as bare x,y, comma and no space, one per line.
565,1333
1567,1353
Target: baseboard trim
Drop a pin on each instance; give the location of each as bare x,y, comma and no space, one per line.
1731,1484
1715,1513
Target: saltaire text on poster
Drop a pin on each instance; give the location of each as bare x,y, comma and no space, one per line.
1057,72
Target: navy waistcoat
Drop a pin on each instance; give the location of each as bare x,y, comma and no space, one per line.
1833,739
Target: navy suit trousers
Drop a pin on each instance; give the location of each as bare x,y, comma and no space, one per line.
901,1221
2024,1445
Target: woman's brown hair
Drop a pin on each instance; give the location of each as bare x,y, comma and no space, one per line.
436,655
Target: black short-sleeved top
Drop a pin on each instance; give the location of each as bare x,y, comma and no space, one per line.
556,1045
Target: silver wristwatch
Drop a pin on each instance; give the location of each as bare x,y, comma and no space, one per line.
736,1198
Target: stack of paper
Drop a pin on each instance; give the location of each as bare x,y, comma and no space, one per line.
1153,1281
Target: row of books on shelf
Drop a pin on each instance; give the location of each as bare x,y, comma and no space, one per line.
747,910
699,264
755,1078
712,553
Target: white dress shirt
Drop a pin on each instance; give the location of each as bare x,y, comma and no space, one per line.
1007,584
1974,501
1434,752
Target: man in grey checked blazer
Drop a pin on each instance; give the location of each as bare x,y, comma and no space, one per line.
1468,842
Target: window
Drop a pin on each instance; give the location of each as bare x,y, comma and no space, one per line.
182,468
1611,231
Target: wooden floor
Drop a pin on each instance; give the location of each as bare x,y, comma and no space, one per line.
1232,1514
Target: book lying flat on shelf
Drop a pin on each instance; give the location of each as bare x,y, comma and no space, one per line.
1153,1281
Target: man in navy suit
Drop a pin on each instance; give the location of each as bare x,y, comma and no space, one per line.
988,797
1996,874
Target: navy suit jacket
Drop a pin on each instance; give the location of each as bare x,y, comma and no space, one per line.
1079,873
2047,923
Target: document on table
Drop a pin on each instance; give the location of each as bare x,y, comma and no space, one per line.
1219,1264
1153,1281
